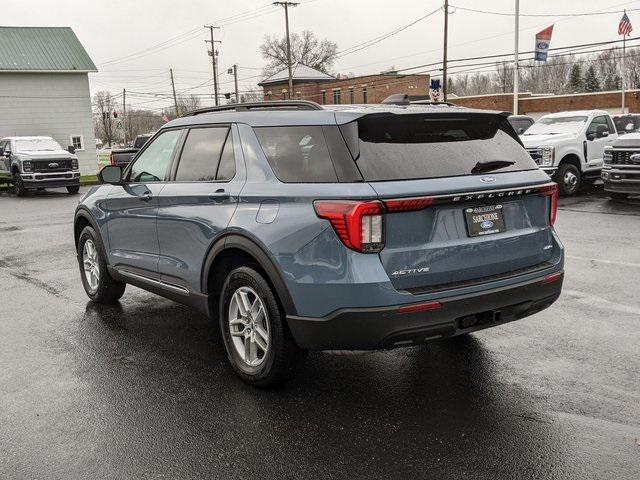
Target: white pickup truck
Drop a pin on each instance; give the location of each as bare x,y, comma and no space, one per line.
569,146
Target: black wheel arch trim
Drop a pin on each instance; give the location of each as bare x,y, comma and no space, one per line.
239,241
84,213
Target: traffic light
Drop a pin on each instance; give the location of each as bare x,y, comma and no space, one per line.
227,96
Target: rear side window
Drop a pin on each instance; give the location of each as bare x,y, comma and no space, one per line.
297,154
201,154
399,147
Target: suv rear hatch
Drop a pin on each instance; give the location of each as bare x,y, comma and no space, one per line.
464,201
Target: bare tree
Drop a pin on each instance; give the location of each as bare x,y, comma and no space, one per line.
504,76
142,121
104,104
186,103
306,48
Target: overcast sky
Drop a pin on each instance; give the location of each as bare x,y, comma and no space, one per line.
134,43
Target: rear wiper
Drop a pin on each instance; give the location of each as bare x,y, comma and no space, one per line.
490,165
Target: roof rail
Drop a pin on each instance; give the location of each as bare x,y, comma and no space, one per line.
273,105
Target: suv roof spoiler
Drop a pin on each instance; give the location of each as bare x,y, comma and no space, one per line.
274,105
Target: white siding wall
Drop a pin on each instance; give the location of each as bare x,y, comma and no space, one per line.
52,104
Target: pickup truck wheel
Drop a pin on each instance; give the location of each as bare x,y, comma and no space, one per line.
74,189
617,195
256,337
98,284
18,185
569,179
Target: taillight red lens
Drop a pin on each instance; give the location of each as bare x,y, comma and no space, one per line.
408,204
552,191
419,307
358,224
553,277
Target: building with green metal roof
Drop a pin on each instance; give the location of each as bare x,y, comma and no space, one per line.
44,88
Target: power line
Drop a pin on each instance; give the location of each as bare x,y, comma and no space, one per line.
373,41
507,14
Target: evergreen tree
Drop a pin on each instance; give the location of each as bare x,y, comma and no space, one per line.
612,82
575,78
591,82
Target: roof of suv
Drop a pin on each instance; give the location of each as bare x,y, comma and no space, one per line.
272,114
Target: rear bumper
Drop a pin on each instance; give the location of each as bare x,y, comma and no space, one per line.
387,327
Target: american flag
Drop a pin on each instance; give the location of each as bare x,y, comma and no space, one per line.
625,28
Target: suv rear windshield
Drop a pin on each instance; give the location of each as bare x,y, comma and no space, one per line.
389,146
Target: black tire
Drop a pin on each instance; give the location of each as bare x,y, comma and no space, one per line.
283,355
569,179
108,289
617,195
73,189
18,185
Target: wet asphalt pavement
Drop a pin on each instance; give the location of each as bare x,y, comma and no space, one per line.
142,389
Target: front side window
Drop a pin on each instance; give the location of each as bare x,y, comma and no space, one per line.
297,154
596,122
153,163
201,154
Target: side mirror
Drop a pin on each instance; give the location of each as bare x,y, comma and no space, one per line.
520,131
602,131
71,149
591,136
111,175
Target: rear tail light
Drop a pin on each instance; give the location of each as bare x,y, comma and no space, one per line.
408,204
112,159
358,224
552,191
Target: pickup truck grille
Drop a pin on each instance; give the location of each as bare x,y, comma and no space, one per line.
623,157
536,154
46,166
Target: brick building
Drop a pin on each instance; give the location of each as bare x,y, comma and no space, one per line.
539,105
311,84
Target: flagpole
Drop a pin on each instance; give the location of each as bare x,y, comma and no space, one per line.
624,45
515,58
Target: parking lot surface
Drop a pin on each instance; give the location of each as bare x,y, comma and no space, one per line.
143,390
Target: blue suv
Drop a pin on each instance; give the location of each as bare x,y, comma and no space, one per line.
307,228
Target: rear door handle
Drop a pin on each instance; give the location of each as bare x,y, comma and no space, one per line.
219,194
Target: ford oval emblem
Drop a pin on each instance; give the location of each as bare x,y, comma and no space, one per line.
487,179
486,224
53,165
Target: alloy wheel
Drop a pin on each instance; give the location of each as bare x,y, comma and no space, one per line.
249,326
91,265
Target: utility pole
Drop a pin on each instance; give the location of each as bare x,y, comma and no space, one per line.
212,53
124,115
444,55
286,6
173,87
516,66
235,81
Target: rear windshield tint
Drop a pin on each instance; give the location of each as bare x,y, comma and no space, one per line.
397,147
297,154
